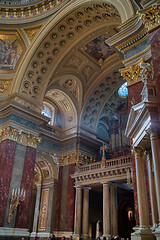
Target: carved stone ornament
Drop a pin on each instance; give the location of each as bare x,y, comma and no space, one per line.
19,137
11,134
151,16
131,74
146,72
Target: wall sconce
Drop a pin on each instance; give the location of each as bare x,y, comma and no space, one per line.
17,196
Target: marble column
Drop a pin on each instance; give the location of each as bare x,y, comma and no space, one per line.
106,211
152,191
143,231
78,211
156,164
85,221
114,217
36,212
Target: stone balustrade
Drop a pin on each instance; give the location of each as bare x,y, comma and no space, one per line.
114,169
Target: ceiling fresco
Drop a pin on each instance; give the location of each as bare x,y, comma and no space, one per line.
99,49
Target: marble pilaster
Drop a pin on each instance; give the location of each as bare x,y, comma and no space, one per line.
37,206
22,216
7,155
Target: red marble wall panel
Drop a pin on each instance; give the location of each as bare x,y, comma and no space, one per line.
155,50
70,200
7,154
58,201
23,210
135,191
147,188
134,91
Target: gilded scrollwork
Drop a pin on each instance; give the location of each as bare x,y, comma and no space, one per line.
132,73
151,16
19,137
11,134
33,141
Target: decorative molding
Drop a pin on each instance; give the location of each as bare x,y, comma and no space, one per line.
19,137
131,74
146,54
32,11
133,41
32,31
151,16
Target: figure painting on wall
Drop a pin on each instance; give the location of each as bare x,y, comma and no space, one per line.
10,52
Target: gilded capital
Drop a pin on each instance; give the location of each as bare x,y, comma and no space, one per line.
132,74
138,152
11,134
32,141
151,16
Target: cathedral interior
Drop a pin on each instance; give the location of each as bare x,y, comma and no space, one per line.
80,119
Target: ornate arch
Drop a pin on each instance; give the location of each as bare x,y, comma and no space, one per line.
58,36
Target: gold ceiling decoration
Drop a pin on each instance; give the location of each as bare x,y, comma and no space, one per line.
32,31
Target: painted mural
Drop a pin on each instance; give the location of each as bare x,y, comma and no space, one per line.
99,49
10,51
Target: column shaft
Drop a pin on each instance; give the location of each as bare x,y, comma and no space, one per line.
106,210
114,223
141,190
152,191
37,206
85,211
156,163
78,210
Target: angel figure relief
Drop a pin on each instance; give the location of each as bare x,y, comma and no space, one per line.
8,54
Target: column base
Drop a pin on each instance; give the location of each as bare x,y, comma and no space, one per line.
85,236
108,237
157,232
142,233
59,234
43,234
18,232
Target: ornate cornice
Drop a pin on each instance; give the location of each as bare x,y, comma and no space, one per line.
151,16
133,41
131,74
18,136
